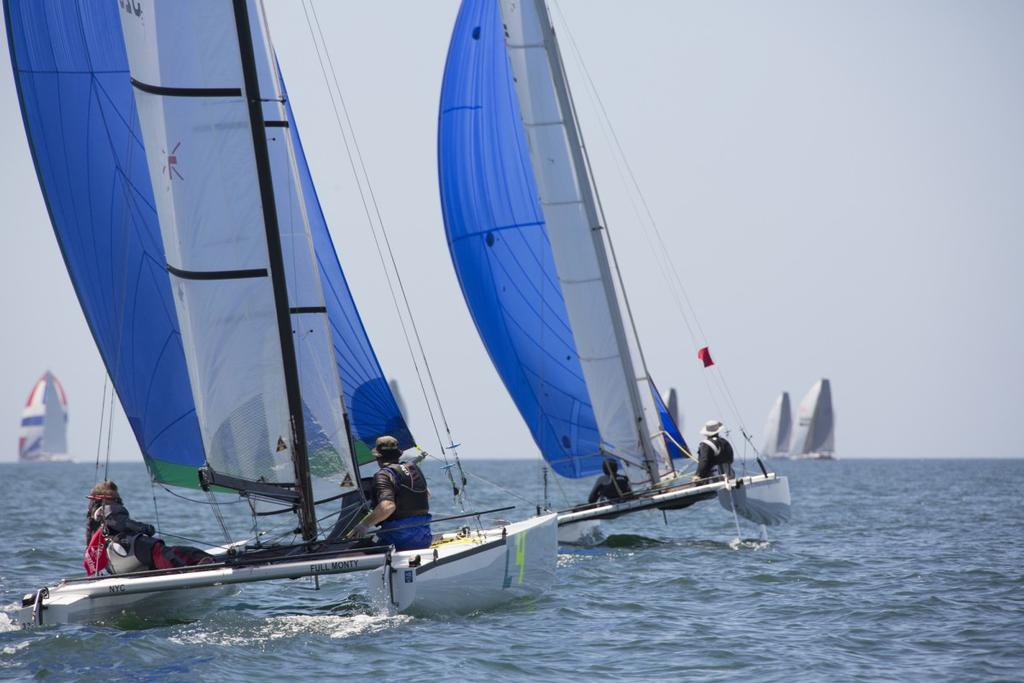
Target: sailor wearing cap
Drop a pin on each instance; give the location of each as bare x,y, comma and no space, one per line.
714,452
400,500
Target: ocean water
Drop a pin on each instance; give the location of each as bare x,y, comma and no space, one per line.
889,571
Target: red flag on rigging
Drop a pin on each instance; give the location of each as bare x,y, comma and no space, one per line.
704,354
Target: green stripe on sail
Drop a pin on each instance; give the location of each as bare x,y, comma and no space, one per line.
173,473
364,453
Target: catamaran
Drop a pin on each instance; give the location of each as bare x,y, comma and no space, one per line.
777,428
530,247
814,438
44,423
179,193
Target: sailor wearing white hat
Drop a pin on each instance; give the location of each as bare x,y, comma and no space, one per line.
714,456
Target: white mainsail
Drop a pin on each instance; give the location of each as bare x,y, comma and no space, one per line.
239,253
815,428
609,353
777,429
43,433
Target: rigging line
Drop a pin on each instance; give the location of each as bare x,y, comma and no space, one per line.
731,401
383,229
604,222
369,218
156,508
190,540
494,484
728,392
99,435
200,502
220,517
110,433
650,215
626,164
565,497
457,492
660,255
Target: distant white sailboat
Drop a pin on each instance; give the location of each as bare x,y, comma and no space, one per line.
815,428
44,423
777,429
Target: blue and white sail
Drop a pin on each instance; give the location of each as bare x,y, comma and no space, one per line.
44,422
529,245
79,111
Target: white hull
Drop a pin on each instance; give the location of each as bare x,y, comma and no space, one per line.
466,574
46,457
470,573
65,607
184,594
764,502
678,495
813,456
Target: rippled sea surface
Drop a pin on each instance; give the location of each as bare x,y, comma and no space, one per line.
889,570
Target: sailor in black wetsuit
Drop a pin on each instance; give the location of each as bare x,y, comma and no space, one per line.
400,499
714,452
611,485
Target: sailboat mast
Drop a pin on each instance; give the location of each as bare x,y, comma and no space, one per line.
589,196
300,457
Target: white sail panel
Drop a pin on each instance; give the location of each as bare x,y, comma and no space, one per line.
815,425
216,229
185,61
571,218
327,441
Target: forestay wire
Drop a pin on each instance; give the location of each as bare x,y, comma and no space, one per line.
657,245
368,198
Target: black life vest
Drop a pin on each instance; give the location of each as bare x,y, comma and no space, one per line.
411,496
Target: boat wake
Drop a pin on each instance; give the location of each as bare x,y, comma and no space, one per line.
749,544
6,623
291,627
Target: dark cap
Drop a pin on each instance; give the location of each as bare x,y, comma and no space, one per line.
386,446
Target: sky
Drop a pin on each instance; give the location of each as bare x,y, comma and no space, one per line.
838,186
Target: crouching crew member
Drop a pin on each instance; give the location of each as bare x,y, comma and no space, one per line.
119,544
715,453
611,485
400,500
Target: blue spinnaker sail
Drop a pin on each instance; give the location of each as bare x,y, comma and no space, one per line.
79,112
499,244
675,438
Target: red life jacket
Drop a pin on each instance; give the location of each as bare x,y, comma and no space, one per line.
96,554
